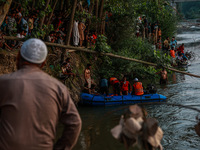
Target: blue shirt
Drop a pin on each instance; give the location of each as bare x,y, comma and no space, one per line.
104,83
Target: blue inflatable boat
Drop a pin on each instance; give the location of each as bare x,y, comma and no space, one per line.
101,100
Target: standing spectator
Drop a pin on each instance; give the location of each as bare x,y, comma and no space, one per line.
173,43
166,44
137,30
24,24
81,29
76,34
159,43
18,19
30,23
156,31
159,33
11,23
4,25
32,103
36,20
149,32
87,75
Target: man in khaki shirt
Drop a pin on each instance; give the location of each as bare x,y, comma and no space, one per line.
32,103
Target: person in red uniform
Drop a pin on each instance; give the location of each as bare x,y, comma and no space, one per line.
116,85
137,87
125,86
172,53
181,49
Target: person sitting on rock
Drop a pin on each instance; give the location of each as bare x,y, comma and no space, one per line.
67,69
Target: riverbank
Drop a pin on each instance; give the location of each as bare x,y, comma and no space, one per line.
177,123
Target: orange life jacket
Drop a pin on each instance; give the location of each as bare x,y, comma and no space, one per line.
113,80
138,88
124,85
172,53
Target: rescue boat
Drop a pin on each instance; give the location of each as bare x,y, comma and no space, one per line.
102,100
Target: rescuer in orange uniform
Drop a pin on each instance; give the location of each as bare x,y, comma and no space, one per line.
125,86
116,85
137,87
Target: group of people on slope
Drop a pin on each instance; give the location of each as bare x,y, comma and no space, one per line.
174,50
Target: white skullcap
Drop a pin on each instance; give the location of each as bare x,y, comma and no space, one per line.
34,51
136,79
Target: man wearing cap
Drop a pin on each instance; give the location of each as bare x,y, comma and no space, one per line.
137,87
32,103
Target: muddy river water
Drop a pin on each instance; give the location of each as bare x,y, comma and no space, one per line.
177,123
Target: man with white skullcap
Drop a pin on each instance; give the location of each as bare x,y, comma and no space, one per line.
32,103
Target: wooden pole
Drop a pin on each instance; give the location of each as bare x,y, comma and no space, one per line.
105,54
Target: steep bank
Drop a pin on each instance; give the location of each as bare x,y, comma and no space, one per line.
79,61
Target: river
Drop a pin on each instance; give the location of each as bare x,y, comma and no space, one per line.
177,123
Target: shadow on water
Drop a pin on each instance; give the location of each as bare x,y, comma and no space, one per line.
177,123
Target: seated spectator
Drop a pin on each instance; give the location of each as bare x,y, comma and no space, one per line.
50,37
22,35
67,69
3,43
60,39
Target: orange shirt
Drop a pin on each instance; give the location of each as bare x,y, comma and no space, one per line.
172,53
138,88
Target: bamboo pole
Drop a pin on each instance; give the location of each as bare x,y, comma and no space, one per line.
71,48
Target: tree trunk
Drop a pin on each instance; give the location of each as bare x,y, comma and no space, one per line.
33,5
96,13
89,21
61,5
96,8
101,15
101,9
4,10
49,21
103,24
71,22
42,20
67,5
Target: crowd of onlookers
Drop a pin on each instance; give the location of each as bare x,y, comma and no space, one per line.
153,33
150,31
17,23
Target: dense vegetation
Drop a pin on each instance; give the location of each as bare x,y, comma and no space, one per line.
116,20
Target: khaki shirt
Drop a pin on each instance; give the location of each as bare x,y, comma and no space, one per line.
31,104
